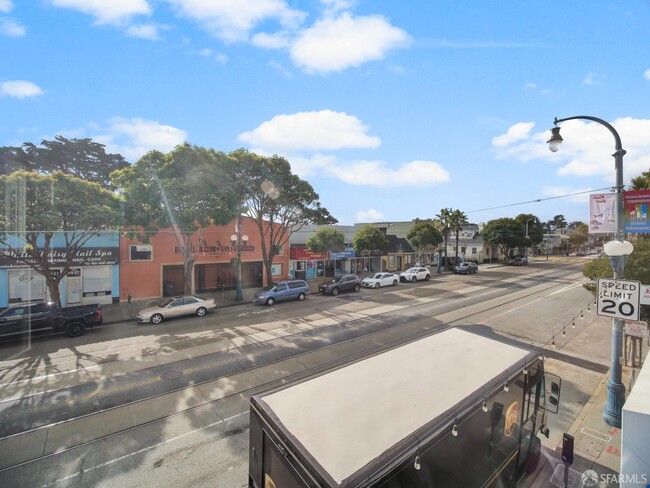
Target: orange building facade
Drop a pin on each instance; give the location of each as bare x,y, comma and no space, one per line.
155,269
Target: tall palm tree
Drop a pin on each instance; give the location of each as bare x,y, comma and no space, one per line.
444,220
456,221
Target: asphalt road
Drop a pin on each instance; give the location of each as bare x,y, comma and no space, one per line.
131,405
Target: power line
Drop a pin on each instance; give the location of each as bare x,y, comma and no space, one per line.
611,188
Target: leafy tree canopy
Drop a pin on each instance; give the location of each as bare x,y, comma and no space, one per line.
641,182
277,200
82,158
186,190
535,228
369,238
506,233
424,234
326,239
556,224
37,206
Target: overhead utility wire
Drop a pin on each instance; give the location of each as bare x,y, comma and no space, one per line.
611,188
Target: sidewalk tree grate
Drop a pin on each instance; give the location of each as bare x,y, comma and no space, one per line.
171,375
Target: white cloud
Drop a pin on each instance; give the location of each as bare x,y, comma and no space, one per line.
6,6
134,137
587,148
370,215
593,79
377,173
530,85
517,132
107,11
271,41
232,21
19,89
646,74
334,44
11,28
324,130
143,31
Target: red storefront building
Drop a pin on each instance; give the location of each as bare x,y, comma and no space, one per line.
156,269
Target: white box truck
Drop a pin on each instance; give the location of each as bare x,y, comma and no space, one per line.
453,409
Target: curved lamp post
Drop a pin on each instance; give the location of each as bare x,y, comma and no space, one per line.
615,388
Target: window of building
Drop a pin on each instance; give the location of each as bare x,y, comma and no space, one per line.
473,250
279,249
141,252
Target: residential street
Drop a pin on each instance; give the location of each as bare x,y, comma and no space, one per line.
167,405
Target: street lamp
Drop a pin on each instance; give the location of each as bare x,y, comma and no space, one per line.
526,248
237,239
615,387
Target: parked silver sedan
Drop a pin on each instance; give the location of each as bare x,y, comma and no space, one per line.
380,279
175,307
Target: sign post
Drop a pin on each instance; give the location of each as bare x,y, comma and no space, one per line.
618,299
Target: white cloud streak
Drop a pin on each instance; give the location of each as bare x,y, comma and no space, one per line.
233,21
314,131
6,6
586,149
646,74
107,11
10,28
370,215
19,89
335,44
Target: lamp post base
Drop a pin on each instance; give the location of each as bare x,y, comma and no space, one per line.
613,412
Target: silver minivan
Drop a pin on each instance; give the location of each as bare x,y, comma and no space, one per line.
284,290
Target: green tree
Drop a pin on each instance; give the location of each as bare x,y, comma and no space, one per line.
579,234
278,201
557,224
535,229
641,182
457,220
369,238
185,190
506,233
82,158
326,239
423,235
37,207
444,223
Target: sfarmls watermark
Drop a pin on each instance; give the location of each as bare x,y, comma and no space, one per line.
591,478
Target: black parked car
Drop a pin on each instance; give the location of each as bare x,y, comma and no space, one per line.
339,284
25,318
466,268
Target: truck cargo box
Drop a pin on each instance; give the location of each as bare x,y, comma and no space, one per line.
455,407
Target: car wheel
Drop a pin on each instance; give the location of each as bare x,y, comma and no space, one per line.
156,319
414,279
75,329
301,296
394,282
357,288
270,301
376,285
335,291
201,311
427,277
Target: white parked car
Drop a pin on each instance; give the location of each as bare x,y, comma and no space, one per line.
415,274
175,307
380,279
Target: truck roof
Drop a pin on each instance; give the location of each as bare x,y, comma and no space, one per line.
347,417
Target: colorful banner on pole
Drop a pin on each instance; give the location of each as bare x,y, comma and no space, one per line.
636,204
602,214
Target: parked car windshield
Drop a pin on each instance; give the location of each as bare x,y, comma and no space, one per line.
166,302
270,287
411,270
376,276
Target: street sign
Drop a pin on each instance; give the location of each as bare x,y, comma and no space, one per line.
618,299
636,328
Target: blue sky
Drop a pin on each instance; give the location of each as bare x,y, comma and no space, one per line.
391,110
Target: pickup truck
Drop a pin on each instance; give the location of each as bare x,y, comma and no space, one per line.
25,318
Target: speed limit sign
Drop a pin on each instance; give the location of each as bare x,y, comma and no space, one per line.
618,299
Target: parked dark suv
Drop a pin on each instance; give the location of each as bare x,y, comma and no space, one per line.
339,284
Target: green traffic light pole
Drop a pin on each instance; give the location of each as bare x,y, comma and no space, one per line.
615,387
